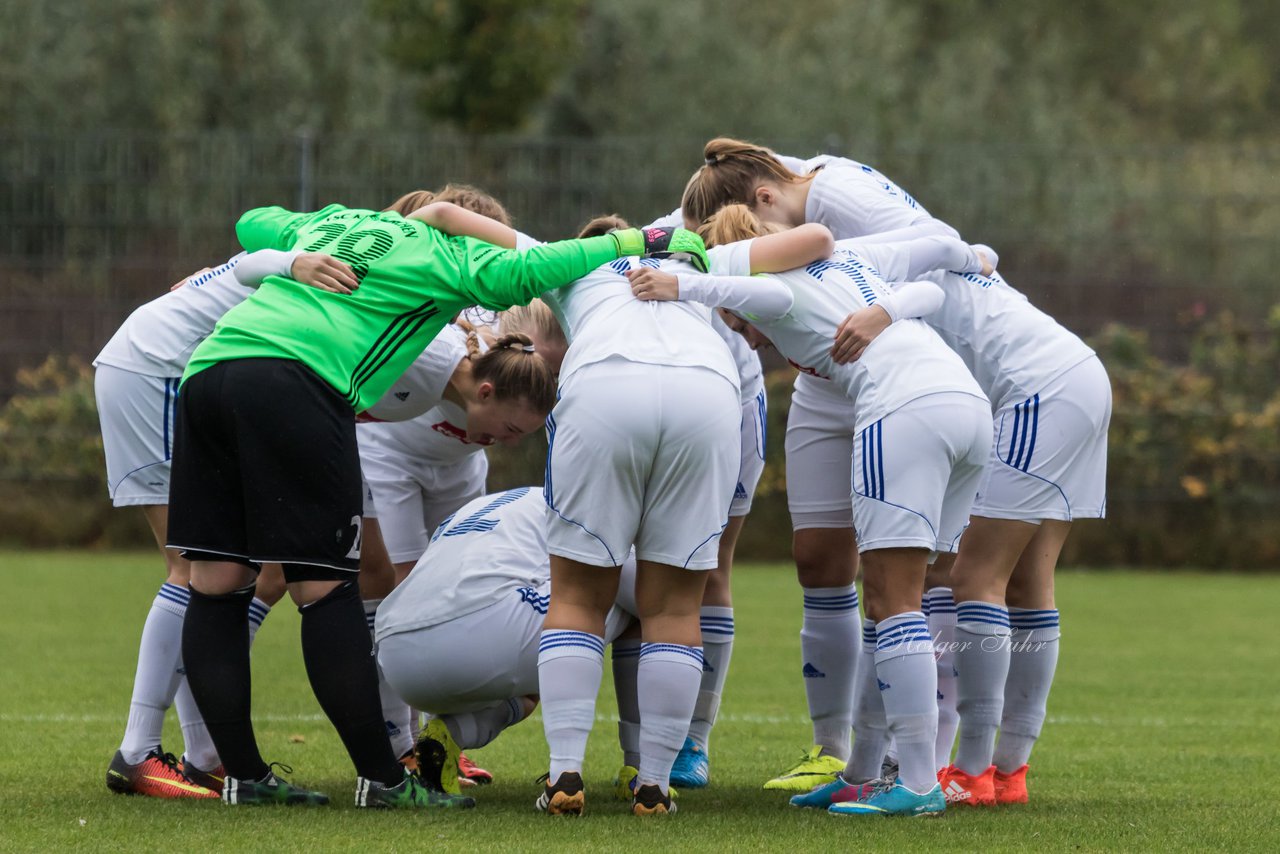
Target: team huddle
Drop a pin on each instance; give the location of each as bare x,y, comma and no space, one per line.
312,417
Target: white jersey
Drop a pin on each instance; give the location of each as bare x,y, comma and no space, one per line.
750,373
421,387
906,361
602,320
455,577
854,200
1013,348
438,436
157,338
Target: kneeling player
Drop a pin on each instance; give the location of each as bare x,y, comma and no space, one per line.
480,593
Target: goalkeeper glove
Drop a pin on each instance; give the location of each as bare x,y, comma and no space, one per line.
678,243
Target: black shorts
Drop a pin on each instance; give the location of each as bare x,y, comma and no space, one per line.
266,470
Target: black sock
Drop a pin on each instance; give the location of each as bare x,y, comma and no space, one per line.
215,652
344,676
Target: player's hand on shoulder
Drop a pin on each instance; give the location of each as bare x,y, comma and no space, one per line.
650,284
990,260
324,272
857,331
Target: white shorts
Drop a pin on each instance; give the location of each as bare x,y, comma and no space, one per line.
411,497
136,412
916,472
484,657
643,455
819,445
755,414
1049,452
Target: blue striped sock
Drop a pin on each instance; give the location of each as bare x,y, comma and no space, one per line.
570,664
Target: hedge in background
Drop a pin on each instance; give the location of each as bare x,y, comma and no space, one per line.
1194,468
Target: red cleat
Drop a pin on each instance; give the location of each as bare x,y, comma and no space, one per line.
471,774
1011,788
961,789
157,776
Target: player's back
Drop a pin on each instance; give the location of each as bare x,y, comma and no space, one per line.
1011,347
603,320
159,337
492,544
906,361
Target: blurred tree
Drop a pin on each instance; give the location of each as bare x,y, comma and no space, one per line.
483,65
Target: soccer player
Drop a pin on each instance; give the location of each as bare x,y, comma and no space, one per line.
921,441
485,573
136,385
1051,400
854,201
266,463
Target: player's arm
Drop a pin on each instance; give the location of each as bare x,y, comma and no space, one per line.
763,298
786,250
909,299
316,269
900,261
451,219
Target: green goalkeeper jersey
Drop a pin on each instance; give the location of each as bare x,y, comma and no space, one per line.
413,280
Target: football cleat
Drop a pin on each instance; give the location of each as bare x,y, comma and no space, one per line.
410,793
814,769
649,800
624,785
836,792
1011,788
691,768
886,798
471,774
269,790
157,776
211,780
973,790
437,755
566,797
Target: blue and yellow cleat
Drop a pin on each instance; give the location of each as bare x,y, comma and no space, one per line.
691,769
894,799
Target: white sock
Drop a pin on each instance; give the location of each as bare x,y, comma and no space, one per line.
940,612
668,680
908,681
717,647
626,663
829,642
159,672
1033,657
396,714
472,730
198,746
870,730
570,665
982,665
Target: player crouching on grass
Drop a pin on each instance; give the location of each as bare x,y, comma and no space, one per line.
459,637
266,466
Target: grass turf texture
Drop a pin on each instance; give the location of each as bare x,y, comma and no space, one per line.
1163,730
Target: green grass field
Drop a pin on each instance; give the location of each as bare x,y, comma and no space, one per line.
1164,733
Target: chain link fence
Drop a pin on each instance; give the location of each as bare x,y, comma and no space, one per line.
1157,239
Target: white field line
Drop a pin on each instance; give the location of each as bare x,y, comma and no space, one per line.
732,718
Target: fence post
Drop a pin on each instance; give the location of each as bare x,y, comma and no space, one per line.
306,168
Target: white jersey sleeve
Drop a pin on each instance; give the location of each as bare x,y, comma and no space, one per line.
254,268
494,544
912,299
854,200
750,296
903,261
157,338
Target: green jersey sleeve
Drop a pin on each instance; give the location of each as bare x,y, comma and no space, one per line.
275,227
498,278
